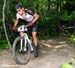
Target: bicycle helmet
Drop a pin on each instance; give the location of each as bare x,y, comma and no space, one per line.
19,5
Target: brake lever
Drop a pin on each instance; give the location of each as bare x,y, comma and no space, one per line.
26,26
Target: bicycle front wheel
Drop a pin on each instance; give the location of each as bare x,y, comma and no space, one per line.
20,56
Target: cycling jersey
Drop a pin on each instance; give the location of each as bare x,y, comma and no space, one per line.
28,15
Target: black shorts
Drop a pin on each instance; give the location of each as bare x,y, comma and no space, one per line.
33,27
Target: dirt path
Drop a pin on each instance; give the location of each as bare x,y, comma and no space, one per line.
54,52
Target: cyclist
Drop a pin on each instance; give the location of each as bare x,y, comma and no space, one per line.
31,17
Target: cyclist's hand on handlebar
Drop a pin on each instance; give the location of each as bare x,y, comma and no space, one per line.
14,28
30,24
26,26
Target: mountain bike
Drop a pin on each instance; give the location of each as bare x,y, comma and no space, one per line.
22,47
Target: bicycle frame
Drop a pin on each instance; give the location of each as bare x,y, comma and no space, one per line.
22,45
26,38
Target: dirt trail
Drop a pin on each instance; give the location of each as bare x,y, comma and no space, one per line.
54,52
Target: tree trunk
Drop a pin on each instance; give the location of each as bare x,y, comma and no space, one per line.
49,6
4,24
58,13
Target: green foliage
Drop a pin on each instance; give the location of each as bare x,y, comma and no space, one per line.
47,23
71,39
66,17
66,65
73,15
3,44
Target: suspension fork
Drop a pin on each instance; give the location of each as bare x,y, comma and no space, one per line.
27,39
21,41
25,42
21,44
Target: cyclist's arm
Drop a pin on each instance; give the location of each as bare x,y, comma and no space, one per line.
36,16
15,24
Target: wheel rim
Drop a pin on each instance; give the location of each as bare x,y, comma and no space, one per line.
23,56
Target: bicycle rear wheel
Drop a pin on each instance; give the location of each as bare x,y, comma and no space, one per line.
21,57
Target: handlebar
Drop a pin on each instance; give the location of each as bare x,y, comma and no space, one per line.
22,28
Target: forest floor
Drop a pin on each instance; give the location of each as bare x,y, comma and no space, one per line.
53,53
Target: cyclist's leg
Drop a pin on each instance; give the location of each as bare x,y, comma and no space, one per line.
34,36
35,39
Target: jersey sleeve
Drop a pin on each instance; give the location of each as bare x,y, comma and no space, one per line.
17,16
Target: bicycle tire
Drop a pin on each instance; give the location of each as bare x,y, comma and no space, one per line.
14,52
